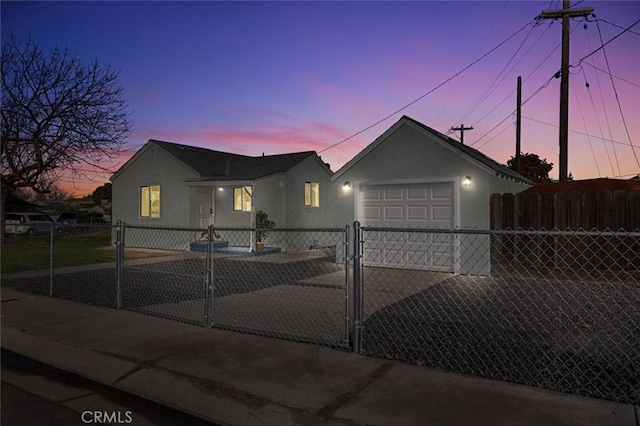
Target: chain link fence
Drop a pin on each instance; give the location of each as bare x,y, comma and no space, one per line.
74,262
557,310
551,309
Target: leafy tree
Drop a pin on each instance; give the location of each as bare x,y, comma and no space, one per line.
102,193
58,115
532,167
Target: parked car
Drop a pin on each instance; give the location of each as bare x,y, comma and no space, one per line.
68,218
30,223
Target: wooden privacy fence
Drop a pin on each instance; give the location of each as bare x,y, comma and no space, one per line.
608,249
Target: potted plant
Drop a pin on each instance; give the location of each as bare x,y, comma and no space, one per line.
262,222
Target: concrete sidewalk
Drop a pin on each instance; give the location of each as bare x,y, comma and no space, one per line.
240,379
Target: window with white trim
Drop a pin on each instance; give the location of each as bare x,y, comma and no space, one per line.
150,201
242,199
312,194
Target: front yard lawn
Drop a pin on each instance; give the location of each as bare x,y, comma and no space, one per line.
72,247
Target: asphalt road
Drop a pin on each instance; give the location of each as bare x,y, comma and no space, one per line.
35,394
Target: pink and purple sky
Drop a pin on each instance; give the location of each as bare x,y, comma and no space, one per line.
275,77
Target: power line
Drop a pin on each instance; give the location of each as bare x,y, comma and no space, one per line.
615,91
429,92
614,25
612,75
604,44
580,133
524,80
584,122
475,56
491,87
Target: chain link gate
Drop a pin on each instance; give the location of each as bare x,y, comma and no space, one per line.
172,284
295,288
551,309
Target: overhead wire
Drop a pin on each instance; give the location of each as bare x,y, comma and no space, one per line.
430,91
584,122
612,75
510,94
455,91
491,87
546,84
615,91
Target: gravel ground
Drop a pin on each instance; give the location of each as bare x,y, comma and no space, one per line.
581,338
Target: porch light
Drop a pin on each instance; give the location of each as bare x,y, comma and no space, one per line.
346,186
220,189
467,181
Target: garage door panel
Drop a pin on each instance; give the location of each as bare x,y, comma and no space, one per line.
442,192
418,193
394,213
441,214
372,194
394,194
420,213
414,205
372,213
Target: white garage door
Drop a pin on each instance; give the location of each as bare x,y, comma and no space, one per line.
415,206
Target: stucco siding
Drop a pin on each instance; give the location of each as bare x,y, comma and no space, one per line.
299,215
153,167
409,155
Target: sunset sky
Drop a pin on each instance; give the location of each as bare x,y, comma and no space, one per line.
275,77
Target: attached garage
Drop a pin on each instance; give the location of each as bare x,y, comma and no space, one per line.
419,205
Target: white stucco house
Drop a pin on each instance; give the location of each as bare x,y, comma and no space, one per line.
410,176
172,185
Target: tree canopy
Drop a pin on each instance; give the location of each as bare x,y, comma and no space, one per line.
532,167
59,115
102,193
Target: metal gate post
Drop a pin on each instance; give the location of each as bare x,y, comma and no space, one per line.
208,279
51,248
357,290
347,257
119,262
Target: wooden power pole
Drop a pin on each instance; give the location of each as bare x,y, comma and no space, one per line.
518,123
462,129
565,14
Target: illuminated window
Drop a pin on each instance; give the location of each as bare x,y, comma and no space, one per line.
312,194
242,199
150,201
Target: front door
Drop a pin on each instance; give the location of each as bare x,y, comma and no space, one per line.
204,207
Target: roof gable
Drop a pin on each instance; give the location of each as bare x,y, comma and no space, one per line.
465,151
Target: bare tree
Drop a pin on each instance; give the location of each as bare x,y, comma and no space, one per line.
59,115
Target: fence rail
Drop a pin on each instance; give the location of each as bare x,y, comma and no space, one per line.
557,309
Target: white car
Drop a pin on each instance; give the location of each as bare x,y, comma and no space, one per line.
30,223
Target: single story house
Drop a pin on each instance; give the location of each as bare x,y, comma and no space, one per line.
414,176
172,185
410,176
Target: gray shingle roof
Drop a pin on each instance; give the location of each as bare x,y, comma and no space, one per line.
225,166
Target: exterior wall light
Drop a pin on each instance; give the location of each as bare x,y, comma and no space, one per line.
467,181
220,189
346,186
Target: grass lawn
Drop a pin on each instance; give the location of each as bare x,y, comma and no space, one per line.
72,247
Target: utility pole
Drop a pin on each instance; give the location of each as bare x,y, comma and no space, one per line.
518,123
565,14
462,129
